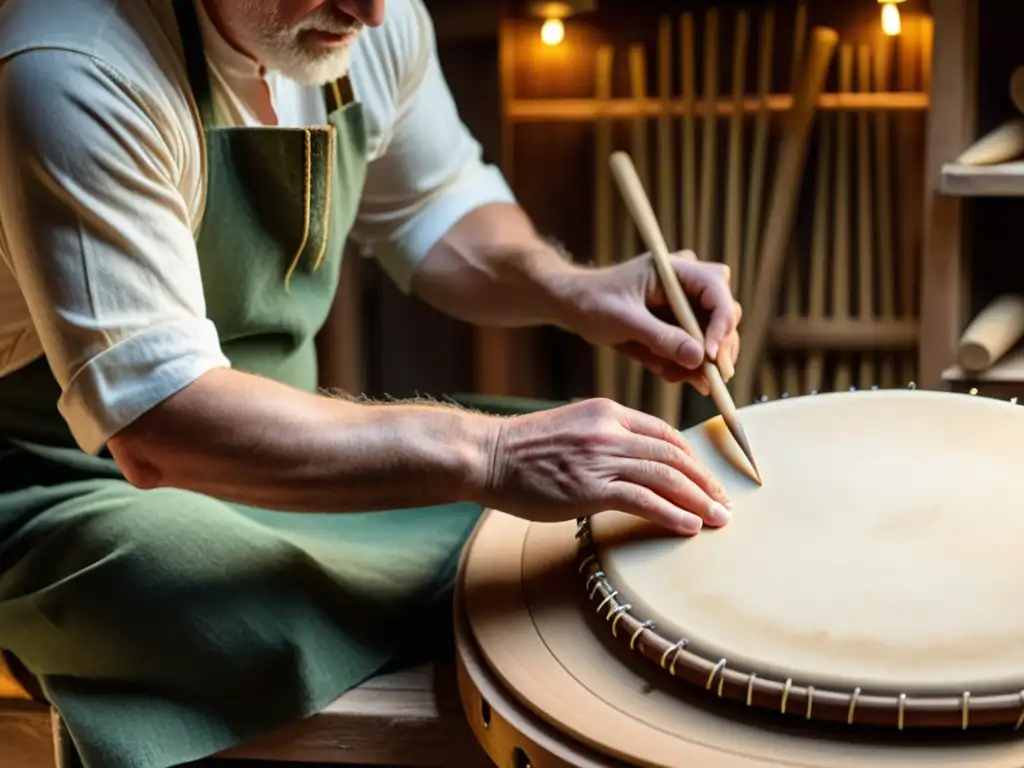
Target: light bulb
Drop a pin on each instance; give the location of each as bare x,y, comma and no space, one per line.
891,22
553,32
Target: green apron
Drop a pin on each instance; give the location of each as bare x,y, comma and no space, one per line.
165,625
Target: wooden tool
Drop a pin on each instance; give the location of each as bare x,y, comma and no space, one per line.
606,384
647,223
992,333
997,146
783,204
667,394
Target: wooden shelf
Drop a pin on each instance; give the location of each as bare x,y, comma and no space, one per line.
584,110
849,335
1009,370
1002,180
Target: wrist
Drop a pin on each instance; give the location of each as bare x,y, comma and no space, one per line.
556,279
461,444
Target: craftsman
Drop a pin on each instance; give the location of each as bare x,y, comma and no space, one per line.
195,545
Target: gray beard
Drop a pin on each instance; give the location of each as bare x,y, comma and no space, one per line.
260,31
309,69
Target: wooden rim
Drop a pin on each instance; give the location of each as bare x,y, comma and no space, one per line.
955,710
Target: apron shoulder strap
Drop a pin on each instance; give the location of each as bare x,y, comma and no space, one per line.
195,58
338,94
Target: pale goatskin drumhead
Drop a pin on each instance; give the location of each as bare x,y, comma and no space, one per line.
885,549
882,551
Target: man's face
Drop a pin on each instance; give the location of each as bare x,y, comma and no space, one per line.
306,40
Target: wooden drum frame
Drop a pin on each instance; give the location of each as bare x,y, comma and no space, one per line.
557,668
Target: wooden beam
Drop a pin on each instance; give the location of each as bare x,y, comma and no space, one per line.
950,130
543,110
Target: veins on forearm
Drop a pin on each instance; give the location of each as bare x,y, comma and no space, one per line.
494,269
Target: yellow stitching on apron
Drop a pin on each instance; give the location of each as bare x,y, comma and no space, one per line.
328,199
308,205
338,102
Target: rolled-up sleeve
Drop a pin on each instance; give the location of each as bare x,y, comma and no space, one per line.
431,172
98,235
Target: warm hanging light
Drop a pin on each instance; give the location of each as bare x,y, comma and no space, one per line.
892,24
552,31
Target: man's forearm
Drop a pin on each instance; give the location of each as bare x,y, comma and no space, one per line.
250,440
492,269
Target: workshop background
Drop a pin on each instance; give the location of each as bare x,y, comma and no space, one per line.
550,88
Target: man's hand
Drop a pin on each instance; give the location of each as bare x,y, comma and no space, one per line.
626,307
596,455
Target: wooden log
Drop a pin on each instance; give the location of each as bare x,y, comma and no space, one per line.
993,333
783,204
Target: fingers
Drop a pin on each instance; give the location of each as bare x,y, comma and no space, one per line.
658,442
685,506
645,503
709,283
664,368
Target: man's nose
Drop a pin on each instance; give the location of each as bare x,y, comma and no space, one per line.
369,12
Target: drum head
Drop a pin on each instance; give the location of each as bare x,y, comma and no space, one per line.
882,552
553,650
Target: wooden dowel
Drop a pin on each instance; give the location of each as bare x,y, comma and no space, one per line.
910,183
883,207
667,395
783,204
634,371
851,334
792,293
1017,88
709,144
841,221
815,373
1006,142
865,218
992,334
666,163
605,383
799,43
688,76
927,37
734,170
755,187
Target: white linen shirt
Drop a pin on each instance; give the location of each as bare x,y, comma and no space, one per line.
102,186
